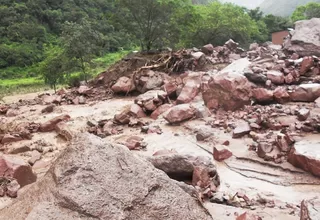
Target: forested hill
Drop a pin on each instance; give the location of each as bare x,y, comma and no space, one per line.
282,7
52,38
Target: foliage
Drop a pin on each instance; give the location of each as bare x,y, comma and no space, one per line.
308,11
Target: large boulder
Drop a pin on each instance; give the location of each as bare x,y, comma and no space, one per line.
96,180
305,93
306,155
262,95
189,92
305,38
230,91
151,100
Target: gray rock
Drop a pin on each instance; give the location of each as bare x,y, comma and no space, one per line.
95,180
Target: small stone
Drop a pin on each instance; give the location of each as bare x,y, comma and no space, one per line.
12,189
247,216
221,153
35,156
48,109
303,114
241,130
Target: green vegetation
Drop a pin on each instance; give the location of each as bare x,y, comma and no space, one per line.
308,11
66,41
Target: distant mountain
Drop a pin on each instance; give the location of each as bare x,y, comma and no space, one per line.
282,8
245,3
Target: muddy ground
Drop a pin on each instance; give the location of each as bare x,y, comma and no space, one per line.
280,188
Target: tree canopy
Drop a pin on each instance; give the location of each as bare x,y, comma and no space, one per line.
308,11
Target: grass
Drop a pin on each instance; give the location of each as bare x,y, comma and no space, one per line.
27,84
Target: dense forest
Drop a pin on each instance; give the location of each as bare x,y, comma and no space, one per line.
52,38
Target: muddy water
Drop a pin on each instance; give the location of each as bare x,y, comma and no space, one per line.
244,172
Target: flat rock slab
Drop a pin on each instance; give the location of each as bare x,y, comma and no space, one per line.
306,155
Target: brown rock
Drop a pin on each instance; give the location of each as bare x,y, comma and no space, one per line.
262,95
241,130
228,90
12,189
247,216
134,143
289,79
317,102
306,93
276,77
201,177
282,143
3,109
189,92
303,114
264,148
83,90
221,153
306,65
170,88
123,85
51,124
2,191
7,138
160,110
49,99
137,111
281,95
179,113
13,167
305,154
48,109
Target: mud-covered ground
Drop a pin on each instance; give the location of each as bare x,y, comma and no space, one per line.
277,189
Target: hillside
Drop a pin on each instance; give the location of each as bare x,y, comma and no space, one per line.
245,3
282,7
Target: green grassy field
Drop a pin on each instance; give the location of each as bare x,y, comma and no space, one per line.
35,84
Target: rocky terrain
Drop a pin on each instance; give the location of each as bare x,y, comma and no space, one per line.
210,133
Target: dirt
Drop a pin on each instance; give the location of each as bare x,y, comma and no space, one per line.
283,184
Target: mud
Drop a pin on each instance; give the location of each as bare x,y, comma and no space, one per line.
281,185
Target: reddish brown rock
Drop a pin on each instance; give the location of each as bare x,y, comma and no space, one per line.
247,216
134,143
3,109
306,65
7,138
264,148
262,95
315,71
124,84
160,110
281,95
48,109
49,99
306,155
189,92
137,111
179,113
231,91
282,143
83,90
289,79
12,189
303,114
170,88
276,77
305,93
51,124
13,167
241,130
201,177
221,153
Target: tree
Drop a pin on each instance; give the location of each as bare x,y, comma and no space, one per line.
219,22
276,23
148,20
308,11
81,43
53,69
